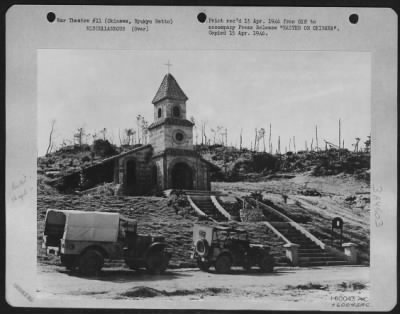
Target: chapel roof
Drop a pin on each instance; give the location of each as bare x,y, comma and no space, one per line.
170,89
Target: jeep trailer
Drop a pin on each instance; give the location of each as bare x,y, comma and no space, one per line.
84,239
224,246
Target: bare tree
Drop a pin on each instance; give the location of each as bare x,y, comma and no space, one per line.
221,134
119,136
104,132
195,128
129,133
49,148
138,125
261,135
144,127
203,133
241,139
269,140
79,136
255,139
279,144
367,144
294,143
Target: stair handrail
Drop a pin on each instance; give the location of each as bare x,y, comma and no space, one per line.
273,210
296,225
308,234
220,208
277,232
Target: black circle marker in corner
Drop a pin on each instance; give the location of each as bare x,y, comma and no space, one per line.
202,17
51,17
353,18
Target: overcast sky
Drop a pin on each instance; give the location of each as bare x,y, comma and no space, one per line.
292,90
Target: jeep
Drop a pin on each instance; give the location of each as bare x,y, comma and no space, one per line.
224,246
84,239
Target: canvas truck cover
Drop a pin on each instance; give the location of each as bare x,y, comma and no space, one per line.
91,226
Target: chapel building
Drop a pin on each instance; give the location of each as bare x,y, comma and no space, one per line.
169,161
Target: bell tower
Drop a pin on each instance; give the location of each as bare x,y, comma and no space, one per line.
170,129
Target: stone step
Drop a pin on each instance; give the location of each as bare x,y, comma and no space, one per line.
309,250
323,263
314,254
318,258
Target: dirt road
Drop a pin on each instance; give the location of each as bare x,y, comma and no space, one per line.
285,288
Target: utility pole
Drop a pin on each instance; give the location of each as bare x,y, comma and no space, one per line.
340,135
316,135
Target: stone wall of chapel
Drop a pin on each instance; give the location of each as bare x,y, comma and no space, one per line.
164,136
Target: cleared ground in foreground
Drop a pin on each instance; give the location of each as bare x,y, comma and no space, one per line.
287,287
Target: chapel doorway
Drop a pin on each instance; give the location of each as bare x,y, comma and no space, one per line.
130,177
182,177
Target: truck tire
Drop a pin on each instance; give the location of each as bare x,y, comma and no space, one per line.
69,261
267,263
223,264
156,263
204,266
202,247
132,265
246,265
91,262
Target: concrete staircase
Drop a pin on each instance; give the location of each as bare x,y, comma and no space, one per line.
205,204
309,253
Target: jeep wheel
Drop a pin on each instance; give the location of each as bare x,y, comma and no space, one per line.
157,263
223,264
91,262
204,266
266,263
69,261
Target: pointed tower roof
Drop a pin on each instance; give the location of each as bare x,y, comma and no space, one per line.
169,88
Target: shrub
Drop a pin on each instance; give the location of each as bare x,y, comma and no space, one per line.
264,161
103,148
85,159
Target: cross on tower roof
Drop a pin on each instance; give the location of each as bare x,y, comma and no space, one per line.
168,65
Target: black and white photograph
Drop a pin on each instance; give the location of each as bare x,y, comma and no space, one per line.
211,178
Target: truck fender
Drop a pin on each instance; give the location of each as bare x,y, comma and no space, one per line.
227,253
95,247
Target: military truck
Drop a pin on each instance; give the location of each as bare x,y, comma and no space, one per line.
85,239
224,246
